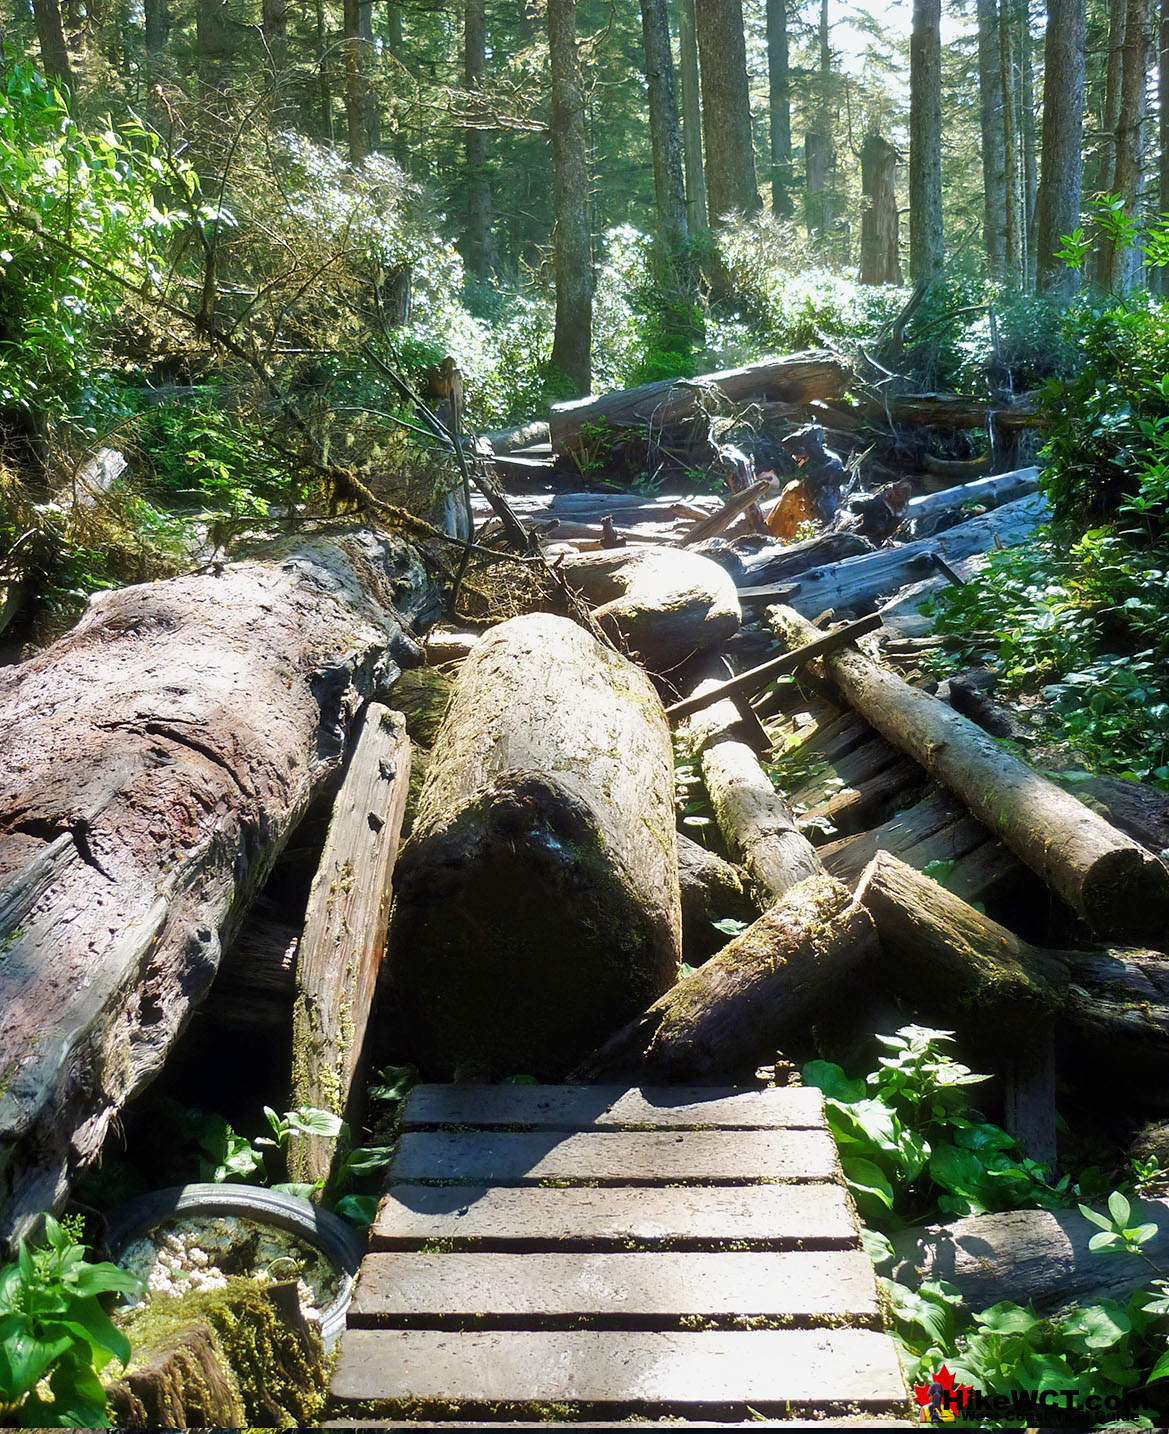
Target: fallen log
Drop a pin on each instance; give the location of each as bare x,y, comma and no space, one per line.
1041,1256
1118,887
761,994
756,822
345,932
951,410
736,505
780,563
712,890
990,492
797,378
158,756
537,900
661,605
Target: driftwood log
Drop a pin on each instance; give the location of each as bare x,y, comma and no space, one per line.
157,757
763,991
1117,886
662,605
345,932
992,492
537,900
798,378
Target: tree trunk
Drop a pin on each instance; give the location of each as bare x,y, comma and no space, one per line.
1159,277
157,18
159,756
324,85
537,899
697,222
665,134
779,109
1110,120
880,245
1063,123
355,108
925,141
572,342
726,110
990,90
1027,132
1126,175
51,37
762,993
1118,887
818,160
477,253
1014,265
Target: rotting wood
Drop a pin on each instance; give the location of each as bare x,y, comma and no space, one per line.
764,990
158,756
654,406
662,605
345,932
1117,886
537,899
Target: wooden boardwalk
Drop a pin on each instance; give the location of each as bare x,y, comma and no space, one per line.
592,1253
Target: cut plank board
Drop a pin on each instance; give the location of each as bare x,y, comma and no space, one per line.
615,1251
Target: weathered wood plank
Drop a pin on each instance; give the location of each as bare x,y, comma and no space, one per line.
345,931
758,1367
627,1288
575,1107
516,1217
617,1157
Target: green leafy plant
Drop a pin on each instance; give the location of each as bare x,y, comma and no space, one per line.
55,1337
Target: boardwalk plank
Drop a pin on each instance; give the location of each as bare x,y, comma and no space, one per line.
602,1106
672,1369
515,1217
617,1157
627,1287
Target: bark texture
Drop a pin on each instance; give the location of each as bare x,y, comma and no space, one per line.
157,758
664,126
537,899
477,248
925,141
1063,122
779,108
990,94
731,185
880,245
572,340
691,118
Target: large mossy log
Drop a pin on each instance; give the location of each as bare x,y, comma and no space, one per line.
537,900
157,757
763,992
1120,889
798,378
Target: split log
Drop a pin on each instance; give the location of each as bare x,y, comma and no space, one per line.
1118,887
756,822
761,994
797,378
662,605
1036,1255
345,932
986,492
711,890
158,756
537,904
856,582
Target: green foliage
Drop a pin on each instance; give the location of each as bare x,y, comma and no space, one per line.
911,1144
53,1328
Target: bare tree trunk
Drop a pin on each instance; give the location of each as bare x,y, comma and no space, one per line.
691,118
925,141
817,168
1027,130
157,17
324,88
1126,174
779,108
477,238
370,113
572,343
669,183
880,254
990,86
354,83
51,37
1014,250
1063,116
1160,277
1106,153
726,109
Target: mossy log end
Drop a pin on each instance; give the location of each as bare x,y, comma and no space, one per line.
157,758
761,993
537,900
1120,889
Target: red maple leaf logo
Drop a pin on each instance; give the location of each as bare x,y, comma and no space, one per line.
957,1394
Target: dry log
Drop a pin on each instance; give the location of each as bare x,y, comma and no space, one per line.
797,378
662,605
855,582
1036,1255
951,410
345,932
780,563
755,821
537,900
509,440
158,756
711,890
448,645
763,992
1118,887
734,507
986,492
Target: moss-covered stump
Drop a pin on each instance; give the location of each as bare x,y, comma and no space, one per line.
537,900
218,1359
